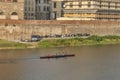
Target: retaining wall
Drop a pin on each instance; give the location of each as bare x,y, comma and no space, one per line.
23,29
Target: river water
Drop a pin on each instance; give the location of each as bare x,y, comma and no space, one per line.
89,63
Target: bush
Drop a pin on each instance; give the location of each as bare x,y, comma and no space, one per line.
111,37
95,38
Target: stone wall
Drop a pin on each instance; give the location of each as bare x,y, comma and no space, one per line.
23,29
7,8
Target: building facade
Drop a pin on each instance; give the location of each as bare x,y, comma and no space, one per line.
37,9
60,9
30,10
42,9
87,9
12,9
56,9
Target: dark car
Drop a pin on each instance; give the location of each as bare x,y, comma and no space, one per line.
35,38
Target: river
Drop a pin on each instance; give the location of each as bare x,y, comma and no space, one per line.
89,63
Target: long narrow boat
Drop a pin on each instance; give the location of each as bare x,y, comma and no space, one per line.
57,56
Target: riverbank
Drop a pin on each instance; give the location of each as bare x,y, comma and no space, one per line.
80,41
61,42
4,44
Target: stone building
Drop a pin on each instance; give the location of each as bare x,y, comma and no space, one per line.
30,10
37,10
42,9
86,9
57,9
12,9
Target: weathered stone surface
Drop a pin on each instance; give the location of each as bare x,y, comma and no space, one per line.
23,29
7,8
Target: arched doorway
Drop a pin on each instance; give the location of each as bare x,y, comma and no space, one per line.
2,16
14,15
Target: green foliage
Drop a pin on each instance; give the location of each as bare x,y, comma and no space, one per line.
45,43
78,41
7,44
111,37
95,38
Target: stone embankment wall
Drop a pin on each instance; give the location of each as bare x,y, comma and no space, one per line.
22,29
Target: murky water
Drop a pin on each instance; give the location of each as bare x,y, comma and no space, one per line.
89,63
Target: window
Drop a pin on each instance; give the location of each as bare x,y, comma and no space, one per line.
25,14
39,8
28,2
47,8
108,4
25,2
28,14
47,1
71,5
54,15
44,9
116,5
89,4
62,4
100,4
32,14
28,8
80,4
44,1
32,9
1,13
39,1
54,4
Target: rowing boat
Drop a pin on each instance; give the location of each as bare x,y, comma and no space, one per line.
57,56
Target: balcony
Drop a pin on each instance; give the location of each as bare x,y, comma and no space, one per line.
80,10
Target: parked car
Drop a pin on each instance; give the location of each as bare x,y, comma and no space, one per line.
35,38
